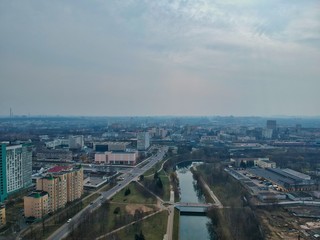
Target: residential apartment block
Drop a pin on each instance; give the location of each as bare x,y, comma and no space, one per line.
143,141
56,187
63,184
15,168
3,220
36,204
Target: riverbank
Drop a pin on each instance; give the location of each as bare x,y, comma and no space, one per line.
236,221
191,226
205,188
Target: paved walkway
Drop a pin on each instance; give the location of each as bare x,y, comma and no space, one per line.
212,195
118,229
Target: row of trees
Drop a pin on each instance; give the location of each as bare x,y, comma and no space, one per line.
238,221
154,185
233,223
91,225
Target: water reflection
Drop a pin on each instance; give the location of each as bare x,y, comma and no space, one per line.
191,227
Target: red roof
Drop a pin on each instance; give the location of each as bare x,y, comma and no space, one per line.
58,169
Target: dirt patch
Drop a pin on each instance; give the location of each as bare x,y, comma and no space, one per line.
278,223
311,225
131,208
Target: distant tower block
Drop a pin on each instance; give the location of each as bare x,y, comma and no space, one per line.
272,124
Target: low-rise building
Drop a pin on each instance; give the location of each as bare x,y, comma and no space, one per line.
117,158
110,146
250,162
265,163
54,154
284,180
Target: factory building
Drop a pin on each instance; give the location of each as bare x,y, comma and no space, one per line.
286,179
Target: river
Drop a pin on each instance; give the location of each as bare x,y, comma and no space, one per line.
191,227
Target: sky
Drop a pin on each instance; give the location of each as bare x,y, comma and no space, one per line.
164,57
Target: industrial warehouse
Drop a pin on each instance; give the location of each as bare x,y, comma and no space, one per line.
286,179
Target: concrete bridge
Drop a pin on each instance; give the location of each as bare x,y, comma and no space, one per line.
198,209
186,204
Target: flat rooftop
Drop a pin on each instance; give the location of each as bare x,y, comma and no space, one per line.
37,194
273,176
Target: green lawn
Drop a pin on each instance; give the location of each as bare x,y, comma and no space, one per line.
153,228
152,170
88,200
166,185
137,195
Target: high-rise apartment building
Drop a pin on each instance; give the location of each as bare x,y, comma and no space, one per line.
15,168
74,184
56,187
272,124
63,185
3,220
143,141
36,204
76,142
3,172
271,129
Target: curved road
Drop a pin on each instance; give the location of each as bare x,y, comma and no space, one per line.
132,175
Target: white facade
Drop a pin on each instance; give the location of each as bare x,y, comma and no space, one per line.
267,133
100,158
116,158
143,141
14,168
57,142
265,163
76,142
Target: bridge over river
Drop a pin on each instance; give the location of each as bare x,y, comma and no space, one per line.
186,208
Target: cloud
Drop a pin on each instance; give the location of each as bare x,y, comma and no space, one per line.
159,57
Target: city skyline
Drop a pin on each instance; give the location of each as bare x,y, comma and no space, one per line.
162,58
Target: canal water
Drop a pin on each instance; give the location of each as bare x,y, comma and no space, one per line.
191,227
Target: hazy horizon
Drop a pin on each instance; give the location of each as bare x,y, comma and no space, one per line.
160,58
163,116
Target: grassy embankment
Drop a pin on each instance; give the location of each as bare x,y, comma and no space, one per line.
129,205
152,228
237,221
137,195
163,193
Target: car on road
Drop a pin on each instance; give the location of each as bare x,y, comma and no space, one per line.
69,220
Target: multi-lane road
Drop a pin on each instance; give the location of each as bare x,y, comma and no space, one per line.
128,177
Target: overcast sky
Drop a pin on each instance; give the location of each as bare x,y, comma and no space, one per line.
163,57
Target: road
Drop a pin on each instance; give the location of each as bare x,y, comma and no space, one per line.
132,175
